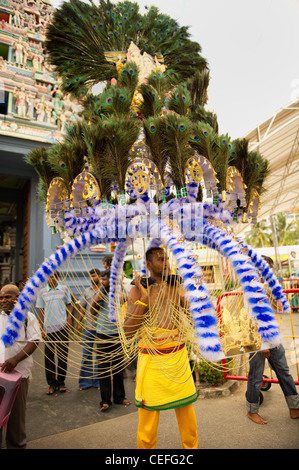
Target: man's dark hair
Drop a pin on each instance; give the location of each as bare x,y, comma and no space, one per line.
95,271
151,251
105,273
268,260
108,259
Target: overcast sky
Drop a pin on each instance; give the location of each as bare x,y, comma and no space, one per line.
252,50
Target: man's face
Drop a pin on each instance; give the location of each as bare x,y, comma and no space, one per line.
8,298
105,281
52,281
95,279
159,264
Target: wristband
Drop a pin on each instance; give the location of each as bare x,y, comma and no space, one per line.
138,302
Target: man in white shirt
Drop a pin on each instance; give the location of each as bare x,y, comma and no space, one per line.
17,357
55,318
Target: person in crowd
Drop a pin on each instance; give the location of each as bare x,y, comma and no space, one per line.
88,376
109,350
55,318
107,261
17,357
277,360
164,379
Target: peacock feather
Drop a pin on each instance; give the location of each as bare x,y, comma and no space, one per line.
160,81
97,153
116,100
91,108
197,86
154,139
222,158
217,149
96,40
74,138
252,166
177,131
67,158
120,135
80,38
199,113
128,76
202,139
180,101
38,158
151,101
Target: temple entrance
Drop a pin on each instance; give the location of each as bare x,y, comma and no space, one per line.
14,197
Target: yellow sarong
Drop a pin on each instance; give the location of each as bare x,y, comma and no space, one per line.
164,378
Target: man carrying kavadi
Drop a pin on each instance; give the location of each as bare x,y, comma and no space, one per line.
156,314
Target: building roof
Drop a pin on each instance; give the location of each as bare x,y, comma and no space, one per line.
277,139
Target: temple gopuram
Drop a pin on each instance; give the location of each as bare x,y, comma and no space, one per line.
33,113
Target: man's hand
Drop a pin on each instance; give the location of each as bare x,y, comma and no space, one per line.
265,353
143,292
9,365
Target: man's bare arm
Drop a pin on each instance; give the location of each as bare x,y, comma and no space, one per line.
135,311
81,315
69,311
94,309
41,319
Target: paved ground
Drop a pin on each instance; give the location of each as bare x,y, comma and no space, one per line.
222,424
73,420
47,415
